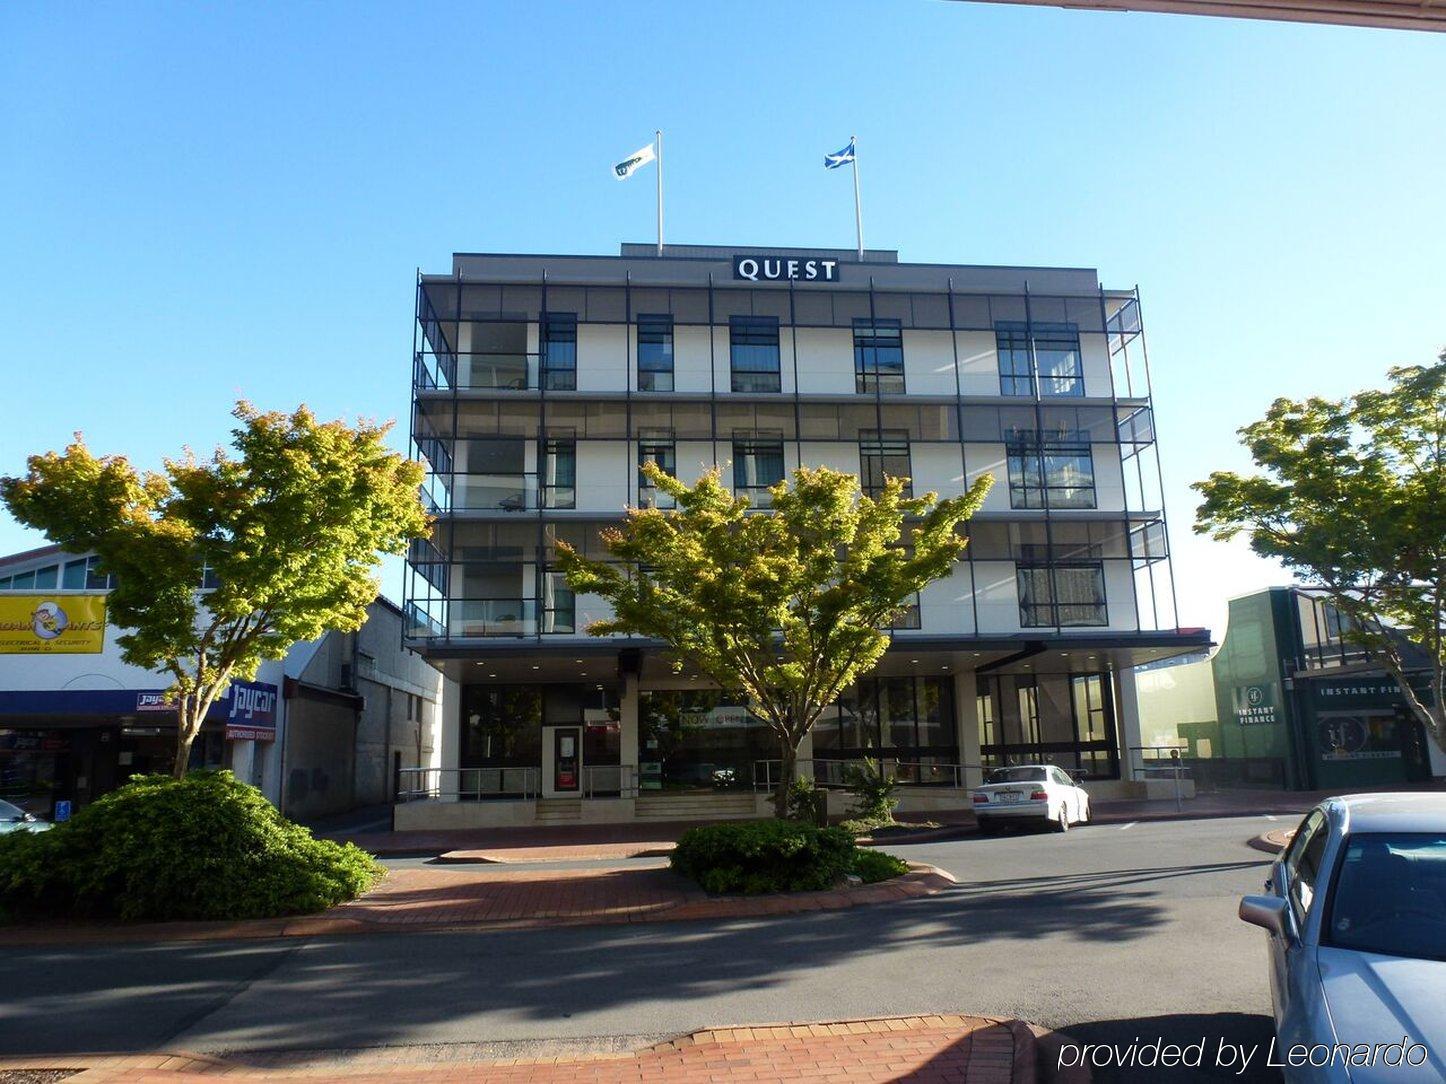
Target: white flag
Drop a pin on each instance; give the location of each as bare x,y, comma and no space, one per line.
634,162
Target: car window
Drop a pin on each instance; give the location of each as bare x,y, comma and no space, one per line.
10,812
1060,777
1017,775
1308,826
1390,895
1303,867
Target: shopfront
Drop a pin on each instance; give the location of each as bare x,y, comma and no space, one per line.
77,745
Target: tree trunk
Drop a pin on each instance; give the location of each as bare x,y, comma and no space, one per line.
787,770
188,725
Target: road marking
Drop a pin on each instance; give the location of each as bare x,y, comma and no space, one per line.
1268,817
1127,827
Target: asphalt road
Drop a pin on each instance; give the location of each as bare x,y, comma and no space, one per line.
1113,933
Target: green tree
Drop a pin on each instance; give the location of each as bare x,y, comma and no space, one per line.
790,607
290,530
1353,499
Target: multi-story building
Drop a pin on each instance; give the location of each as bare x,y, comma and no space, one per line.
541,383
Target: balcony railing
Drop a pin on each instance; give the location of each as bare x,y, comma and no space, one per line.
467,784
497,493
477,370
469,618
833,773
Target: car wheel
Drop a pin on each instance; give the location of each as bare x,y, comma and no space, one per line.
1063,822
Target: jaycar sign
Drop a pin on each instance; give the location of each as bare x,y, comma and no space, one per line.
784,269
253,711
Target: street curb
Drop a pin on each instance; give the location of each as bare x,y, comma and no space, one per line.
1021,1040
1048,1045
1272,842
921,880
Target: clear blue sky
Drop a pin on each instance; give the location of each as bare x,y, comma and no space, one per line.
202,202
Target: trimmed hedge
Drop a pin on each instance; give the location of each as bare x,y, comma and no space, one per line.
203,847
753,857
873,866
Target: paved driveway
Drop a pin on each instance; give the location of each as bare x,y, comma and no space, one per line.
1112,932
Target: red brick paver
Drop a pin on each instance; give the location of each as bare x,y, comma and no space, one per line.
950,1047
503,897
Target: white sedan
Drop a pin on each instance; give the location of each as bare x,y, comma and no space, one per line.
1030,792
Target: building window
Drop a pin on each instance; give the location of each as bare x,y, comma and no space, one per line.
1050,365
559,474
753,350
757,466
1062,719
878,356
663,453
883,454
907,720
1062,595
1050,472
559,351
559,604
908,617
655,352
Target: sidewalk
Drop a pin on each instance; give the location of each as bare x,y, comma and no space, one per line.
977,1050
492,897
597,841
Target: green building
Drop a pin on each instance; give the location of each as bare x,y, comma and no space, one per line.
1296,706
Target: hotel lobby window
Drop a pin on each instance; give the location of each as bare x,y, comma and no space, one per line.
655,352
753,353
1062,719
905,719
698,739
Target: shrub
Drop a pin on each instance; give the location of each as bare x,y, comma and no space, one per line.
764,856
202,847
807,802
874,866
862,826
872,786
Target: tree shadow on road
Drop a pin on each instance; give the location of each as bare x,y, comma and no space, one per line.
365,990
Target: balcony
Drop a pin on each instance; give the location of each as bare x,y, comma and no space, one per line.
454,493
489,371
481,618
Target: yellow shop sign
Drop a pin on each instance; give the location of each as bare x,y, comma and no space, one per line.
51,624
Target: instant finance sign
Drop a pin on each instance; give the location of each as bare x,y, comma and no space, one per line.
52,624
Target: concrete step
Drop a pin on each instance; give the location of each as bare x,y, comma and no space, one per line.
684,807
555,810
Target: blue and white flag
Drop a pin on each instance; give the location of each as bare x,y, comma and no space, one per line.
841,158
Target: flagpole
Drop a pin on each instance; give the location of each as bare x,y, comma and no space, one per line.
858,207
659,136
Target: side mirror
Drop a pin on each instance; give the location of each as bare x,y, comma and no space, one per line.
1267,912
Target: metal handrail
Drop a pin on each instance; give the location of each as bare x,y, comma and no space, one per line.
518,783
832,772
609,780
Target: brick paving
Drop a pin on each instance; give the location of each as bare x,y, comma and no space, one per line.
977,1050
502,897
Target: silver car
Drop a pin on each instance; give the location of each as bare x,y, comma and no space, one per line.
15,819
1356,911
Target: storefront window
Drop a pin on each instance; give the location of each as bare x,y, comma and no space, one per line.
1062,719
700,740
